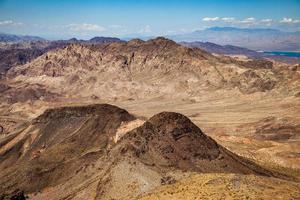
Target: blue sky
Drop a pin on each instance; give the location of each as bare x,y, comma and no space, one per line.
56,19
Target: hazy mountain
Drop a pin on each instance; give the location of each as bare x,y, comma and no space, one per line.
226,49
255,39
235,50
104,40
23,50
4,37
94,40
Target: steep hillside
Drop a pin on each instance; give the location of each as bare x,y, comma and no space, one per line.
58,145
15,54
139,69
172,140
103,152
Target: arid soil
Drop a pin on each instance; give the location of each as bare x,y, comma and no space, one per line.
226,186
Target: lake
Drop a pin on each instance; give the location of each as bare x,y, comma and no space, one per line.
283,53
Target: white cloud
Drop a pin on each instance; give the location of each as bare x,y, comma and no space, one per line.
252,21
266,20
146,29
286,20
170,32
211,19
86,27
116,26
249,20
228,19
10,23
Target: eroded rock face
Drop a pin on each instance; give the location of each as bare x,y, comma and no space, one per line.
25,93
254,81
3,87
13,57
16,195
15,54
46,147
276,129
172,140
146,69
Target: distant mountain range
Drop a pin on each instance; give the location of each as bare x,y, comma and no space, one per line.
255,39
18,38
226,49
94,40
236,50
4,37
18,50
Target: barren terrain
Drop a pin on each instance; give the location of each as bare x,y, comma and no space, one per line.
250,108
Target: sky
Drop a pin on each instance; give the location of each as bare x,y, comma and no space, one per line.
63,19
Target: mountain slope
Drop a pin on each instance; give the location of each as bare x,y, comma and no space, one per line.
172,140
139,69
52,148
71,152
22,52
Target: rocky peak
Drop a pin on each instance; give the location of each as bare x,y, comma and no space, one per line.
135,42
161,41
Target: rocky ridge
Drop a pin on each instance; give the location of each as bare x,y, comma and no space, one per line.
147,69
69,151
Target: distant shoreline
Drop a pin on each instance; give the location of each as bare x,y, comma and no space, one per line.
283,53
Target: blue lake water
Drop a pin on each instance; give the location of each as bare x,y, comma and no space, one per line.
283,53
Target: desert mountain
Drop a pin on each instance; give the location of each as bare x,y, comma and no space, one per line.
18,38
103,152
21,52
139,69
228,98
255,39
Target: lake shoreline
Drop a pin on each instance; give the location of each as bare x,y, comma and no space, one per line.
283,53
